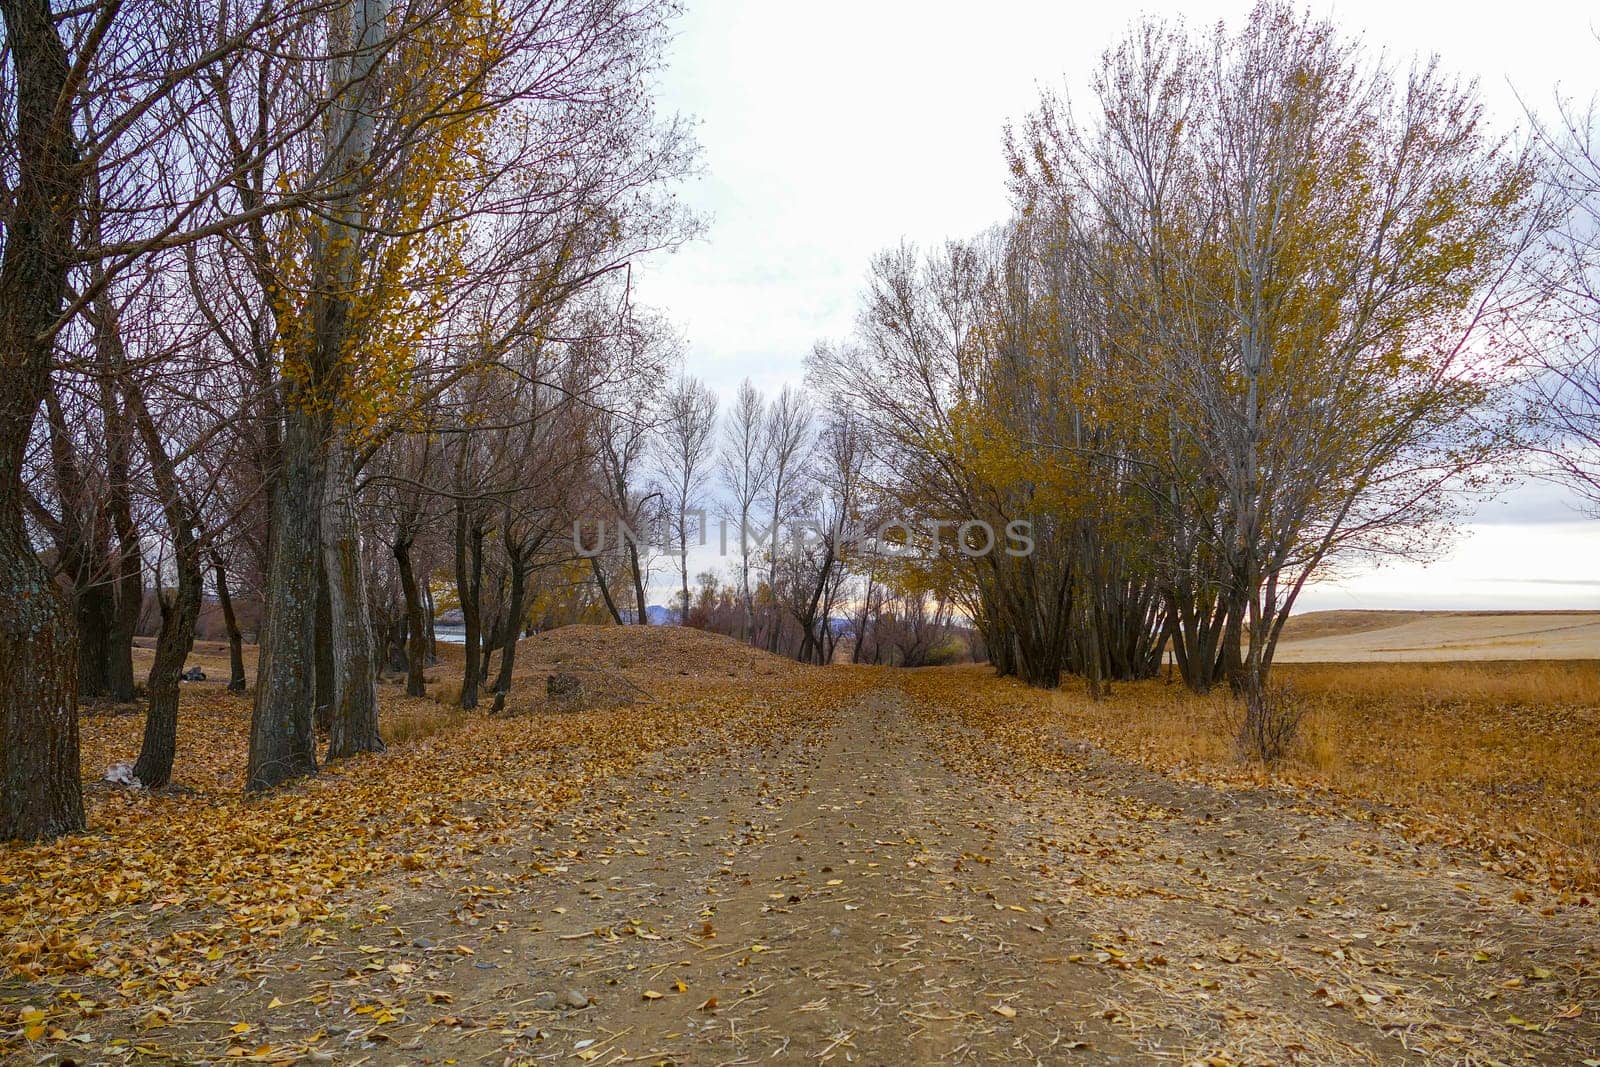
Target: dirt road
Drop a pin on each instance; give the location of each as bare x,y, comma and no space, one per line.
882,887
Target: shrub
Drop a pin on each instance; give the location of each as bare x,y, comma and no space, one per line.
949,651
1272,714
415,720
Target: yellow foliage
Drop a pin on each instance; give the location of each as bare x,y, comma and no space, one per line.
393,275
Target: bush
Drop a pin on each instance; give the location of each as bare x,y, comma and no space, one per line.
1272,715
415,720
949,651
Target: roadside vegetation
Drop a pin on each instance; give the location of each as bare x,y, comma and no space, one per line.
1503,757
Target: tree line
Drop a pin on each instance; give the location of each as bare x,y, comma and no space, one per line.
284,283
1265,305
317,316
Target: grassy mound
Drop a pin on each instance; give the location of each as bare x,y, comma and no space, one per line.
645,652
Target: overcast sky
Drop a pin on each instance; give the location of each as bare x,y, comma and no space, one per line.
833,130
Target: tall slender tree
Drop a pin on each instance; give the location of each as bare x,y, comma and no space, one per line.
746,465
688,430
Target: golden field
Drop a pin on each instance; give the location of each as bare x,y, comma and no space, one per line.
1436,636
1501,755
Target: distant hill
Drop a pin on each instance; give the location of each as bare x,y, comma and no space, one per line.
1357,636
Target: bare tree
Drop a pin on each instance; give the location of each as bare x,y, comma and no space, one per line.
1565,405
787,438
626,420
688,428
815,563
536,515
622,443
747,469
90,98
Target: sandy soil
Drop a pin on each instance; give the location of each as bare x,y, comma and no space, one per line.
1400,636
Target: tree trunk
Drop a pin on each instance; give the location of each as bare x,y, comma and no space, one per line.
1232,651
125,616
282,745
128,578
1196,623
683,570
179,610
323,669
93,606
605,589
40,794
1091,640
433,636
637,570
282,741
355,711
489,636
508,647
469,580
416,635
80,542
861,627
398,644
230,620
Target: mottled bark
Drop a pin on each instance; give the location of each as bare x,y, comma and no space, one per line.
40,794
282,745
93,604
39,789
323,669
355,680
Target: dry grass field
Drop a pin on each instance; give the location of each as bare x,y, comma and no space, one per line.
1504,756
1431,636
